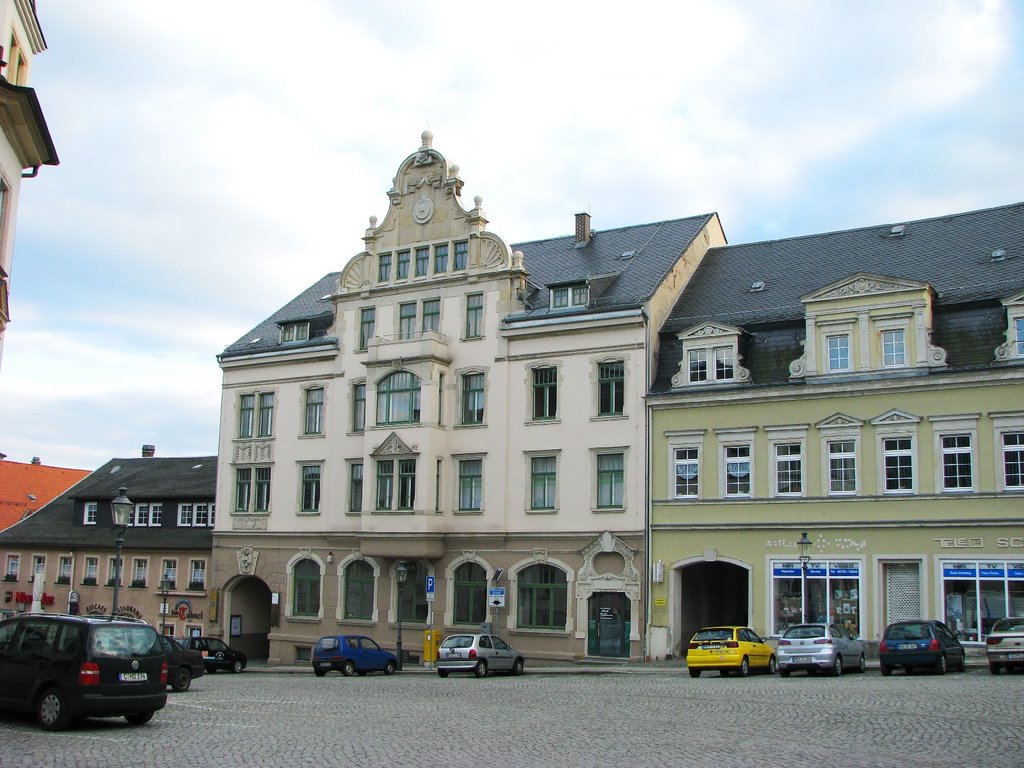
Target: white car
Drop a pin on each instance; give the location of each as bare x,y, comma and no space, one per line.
1004,645
819,647
478,654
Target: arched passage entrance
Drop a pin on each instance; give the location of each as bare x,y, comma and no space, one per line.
710,593
247,616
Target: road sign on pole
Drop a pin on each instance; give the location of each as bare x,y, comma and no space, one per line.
496,597
430,588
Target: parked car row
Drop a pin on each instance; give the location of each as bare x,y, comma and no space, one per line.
829,648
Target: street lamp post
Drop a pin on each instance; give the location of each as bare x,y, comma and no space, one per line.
165,588
401,572
804,544
121,509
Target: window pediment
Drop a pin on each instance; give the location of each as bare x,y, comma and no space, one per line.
393,445
895,417
863,284
839,421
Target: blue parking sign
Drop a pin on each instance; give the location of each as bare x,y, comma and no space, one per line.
430,585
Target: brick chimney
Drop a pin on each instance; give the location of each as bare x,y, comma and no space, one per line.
148,451
582,228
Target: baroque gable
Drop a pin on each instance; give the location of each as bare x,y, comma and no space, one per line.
863,284
393,445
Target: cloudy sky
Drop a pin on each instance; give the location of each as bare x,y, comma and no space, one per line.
219,156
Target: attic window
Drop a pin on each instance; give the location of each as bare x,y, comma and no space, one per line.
568,296
626,255
757,285
897,230
197,466
999,254
295,331
256,340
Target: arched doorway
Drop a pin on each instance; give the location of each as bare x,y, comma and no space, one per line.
248,616
712,593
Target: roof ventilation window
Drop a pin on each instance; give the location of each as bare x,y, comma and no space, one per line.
897,230
256,340
757,285
626,255
999,254
197,466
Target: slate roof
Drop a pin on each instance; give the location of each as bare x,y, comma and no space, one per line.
168,480
624,282
951,253
309,305
621,282
24,488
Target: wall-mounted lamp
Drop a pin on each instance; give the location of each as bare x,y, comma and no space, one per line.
330,557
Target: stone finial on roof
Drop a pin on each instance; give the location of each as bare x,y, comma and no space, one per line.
428,140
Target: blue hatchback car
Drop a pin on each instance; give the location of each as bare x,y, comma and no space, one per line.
920,643
351,654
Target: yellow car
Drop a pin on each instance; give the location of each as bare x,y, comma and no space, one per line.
727,649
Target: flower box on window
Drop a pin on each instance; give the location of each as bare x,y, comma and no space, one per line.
63,580
197,585
10,577
110,582
138,583
88,582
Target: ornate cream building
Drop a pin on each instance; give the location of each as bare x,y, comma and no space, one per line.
467,409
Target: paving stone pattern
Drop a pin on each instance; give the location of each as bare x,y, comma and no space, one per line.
615,717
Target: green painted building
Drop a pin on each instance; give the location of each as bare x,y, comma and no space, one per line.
864,387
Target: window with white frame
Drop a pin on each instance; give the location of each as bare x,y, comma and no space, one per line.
894,348
713,364
64,567
841,455
92,571
11,570
140,570
1018,336
197,575
38,567
686,465
1012,444
898,464
170,573
147,515
838,348
204,514
957,462
91,511
738,467
114,570
789,468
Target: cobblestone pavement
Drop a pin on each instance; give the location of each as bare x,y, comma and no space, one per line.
545,718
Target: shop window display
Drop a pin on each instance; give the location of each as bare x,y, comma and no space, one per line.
977,593
832,589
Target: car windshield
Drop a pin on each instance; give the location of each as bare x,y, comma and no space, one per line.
1015,624
919,631
119,640
803,631
458,641
714,633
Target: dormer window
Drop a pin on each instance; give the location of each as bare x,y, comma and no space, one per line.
1012,350
710,354
568,296
295,331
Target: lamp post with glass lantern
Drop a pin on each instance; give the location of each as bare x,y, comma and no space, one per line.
165,588
804,544
121,509
401,572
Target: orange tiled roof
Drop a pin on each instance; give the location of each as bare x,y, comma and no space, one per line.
24,488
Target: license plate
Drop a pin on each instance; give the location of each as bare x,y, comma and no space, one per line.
133,677
907,646
801,659
323,663
1015,656
712,647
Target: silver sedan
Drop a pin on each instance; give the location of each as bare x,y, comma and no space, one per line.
814,647
478,654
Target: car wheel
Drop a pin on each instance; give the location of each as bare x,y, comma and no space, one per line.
940,665
862,665
772,665
993,668
694,673
442,673
52,710
885,669
319,672
783,673
744,667
837,666
182,679
348,668
390,666
480,669
139,718
517,667
237,666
